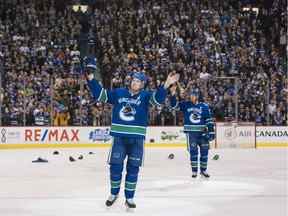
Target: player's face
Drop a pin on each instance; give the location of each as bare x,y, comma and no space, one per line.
136,85
193,98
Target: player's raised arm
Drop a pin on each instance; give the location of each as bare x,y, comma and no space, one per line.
99,93
174,102
158,96
209,123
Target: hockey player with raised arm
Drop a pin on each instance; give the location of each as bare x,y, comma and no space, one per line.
128,128
198,126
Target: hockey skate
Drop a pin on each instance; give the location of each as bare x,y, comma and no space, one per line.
204,174
194,174
111,200
130,204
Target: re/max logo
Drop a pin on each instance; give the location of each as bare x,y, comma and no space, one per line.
58,135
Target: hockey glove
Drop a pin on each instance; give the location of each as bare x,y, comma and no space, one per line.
210,137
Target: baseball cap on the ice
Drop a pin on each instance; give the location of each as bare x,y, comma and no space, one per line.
140,76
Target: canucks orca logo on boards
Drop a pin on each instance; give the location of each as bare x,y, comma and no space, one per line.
195,116
127,113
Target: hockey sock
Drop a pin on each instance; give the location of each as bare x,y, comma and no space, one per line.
194,159
131,181
115,177
203,157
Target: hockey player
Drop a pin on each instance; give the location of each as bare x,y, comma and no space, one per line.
199,129
128,128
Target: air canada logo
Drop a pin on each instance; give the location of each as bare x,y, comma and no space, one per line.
230,133
127,113
275,133
3,135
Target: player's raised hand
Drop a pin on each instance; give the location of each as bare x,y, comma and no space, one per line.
181,89
171,79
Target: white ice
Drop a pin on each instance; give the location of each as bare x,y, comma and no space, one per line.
243,182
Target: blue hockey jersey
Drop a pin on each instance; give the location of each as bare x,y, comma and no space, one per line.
130,112
197,117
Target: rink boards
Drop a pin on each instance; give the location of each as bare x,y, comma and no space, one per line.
51,137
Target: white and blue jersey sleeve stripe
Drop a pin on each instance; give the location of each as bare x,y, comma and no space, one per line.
99,93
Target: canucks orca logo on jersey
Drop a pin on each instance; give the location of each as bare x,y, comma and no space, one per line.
195,116
127,113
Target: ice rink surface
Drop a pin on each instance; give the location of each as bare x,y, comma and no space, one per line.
243,182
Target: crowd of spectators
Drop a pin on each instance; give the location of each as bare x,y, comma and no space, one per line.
202,40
